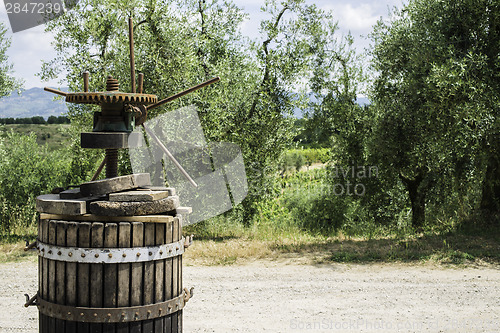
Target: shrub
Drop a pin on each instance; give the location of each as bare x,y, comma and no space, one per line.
26,171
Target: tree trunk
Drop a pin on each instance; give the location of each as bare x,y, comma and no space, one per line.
417,199
490,199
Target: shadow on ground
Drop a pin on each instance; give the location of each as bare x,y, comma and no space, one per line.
459,247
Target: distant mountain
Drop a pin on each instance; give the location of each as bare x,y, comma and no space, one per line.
37,102
32,102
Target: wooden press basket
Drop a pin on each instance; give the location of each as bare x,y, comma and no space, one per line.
110,274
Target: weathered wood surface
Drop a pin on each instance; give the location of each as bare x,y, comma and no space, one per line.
115,184
138,196
96,274
83,276
110,285
73,193
170,190
95,218
52,204
111,208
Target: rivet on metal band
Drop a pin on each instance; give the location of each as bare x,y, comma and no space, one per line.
110,255
111,315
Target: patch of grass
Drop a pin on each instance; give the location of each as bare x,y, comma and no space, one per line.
55,136
12,242
14,252
451,248
226,252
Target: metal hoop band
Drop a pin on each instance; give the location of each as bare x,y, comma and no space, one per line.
111,315
110,255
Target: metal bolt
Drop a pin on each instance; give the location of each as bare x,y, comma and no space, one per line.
95,314
110,255
138,254
161,310
69,313
177,248
150,253
83,255
124,255
149,313
59,253
82,314
50,251
43,250
70,254
109,315
161,252
170,250
123,314
96,255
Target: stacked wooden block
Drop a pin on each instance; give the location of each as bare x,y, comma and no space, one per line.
130,195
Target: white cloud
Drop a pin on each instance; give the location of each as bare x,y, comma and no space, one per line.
27,50
29,47
357,19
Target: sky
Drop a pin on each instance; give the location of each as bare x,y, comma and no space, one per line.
30,47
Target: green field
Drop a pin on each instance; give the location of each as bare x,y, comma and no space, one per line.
53,135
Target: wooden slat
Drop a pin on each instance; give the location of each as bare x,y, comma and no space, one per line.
179,275
137,274
43,273
149,240
96,273
71,272
40,272
175,272
159,275
168,273
110,274
51,293
83,274
95,218
40,269
123,297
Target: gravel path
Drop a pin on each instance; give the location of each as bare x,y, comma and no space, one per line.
279,297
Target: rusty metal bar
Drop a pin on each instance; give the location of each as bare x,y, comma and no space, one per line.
170,156
140,83
112,315
99,170
182,93
30,300
30,246
132,57
55,91
86,75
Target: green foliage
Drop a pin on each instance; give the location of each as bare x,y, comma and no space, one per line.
437,80
296,158
181,43
37,120
54,136
26,171
7,82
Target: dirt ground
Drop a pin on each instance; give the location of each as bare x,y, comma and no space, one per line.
268,296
